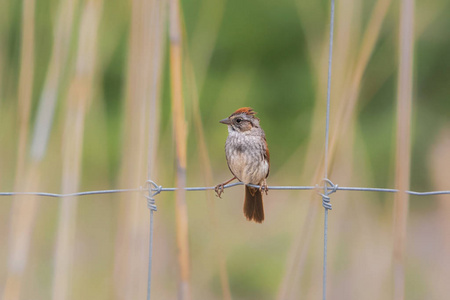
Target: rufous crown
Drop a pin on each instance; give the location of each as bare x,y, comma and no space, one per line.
247,110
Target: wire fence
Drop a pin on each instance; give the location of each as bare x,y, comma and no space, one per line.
152,189
158,189
327,183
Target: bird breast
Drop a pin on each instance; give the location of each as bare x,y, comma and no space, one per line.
246,157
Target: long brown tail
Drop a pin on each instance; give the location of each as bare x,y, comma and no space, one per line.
253,205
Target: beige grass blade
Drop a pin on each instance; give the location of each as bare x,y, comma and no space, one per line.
339,124
403,147
126,272
180,135
4,30
23,210
143,83
439,164
203,42
216,230
347,109
58,63
422,25
23,216
157,32
25,84
205,36
79,96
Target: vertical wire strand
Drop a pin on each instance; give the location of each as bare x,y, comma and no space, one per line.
150,253
158,15
325,233
330,58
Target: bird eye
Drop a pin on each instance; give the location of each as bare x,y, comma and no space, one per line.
238,120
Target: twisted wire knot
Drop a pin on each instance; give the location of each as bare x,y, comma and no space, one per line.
153,190
329,188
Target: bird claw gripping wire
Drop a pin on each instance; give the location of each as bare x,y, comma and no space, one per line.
329,188
153,190
219,189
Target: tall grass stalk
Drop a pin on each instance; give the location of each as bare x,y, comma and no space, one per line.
205,36
203,46
339,124
131,173
403,147
25,85
78,98
216,229
23,210
139,144
4,30
180,136
347,109
439,162
57,66
157,33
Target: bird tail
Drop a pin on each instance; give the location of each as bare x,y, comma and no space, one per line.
253,205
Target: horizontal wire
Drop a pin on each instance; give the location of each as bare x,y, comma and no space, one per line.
194,189
54,195
363,189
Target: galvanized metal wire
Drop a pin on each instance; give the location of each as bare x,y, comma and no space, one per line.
325,197
55,195
160,189
152,189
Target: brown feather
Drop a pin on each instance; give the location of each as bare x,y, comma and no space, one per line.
267,156
253,205
245,110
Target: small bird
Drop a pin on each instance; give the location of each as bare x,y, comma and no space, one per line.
248,159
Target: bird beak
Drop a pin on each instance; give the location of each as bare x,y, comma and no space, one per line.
225,121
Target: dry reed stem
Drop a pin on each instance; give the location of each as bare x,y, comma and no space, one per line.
23,216
205,36
26,209
427,17
422,26
143,80
78,98
403,147
344,167
25,85
362,243
58,63
4,30
131,173
309,12
439,164
158,18
180,136
207,177
203,46
23,210
346,108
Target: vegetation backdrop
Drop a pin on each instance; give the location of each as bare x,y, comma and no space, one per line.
85,104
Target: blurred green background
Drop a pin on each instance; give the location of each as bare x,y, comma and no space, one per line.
107,65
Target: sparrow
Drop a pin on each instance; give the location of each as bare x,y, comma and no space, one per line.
248,159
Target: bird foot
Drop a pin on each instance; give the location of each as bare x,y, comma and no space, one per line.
219,190
264,187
